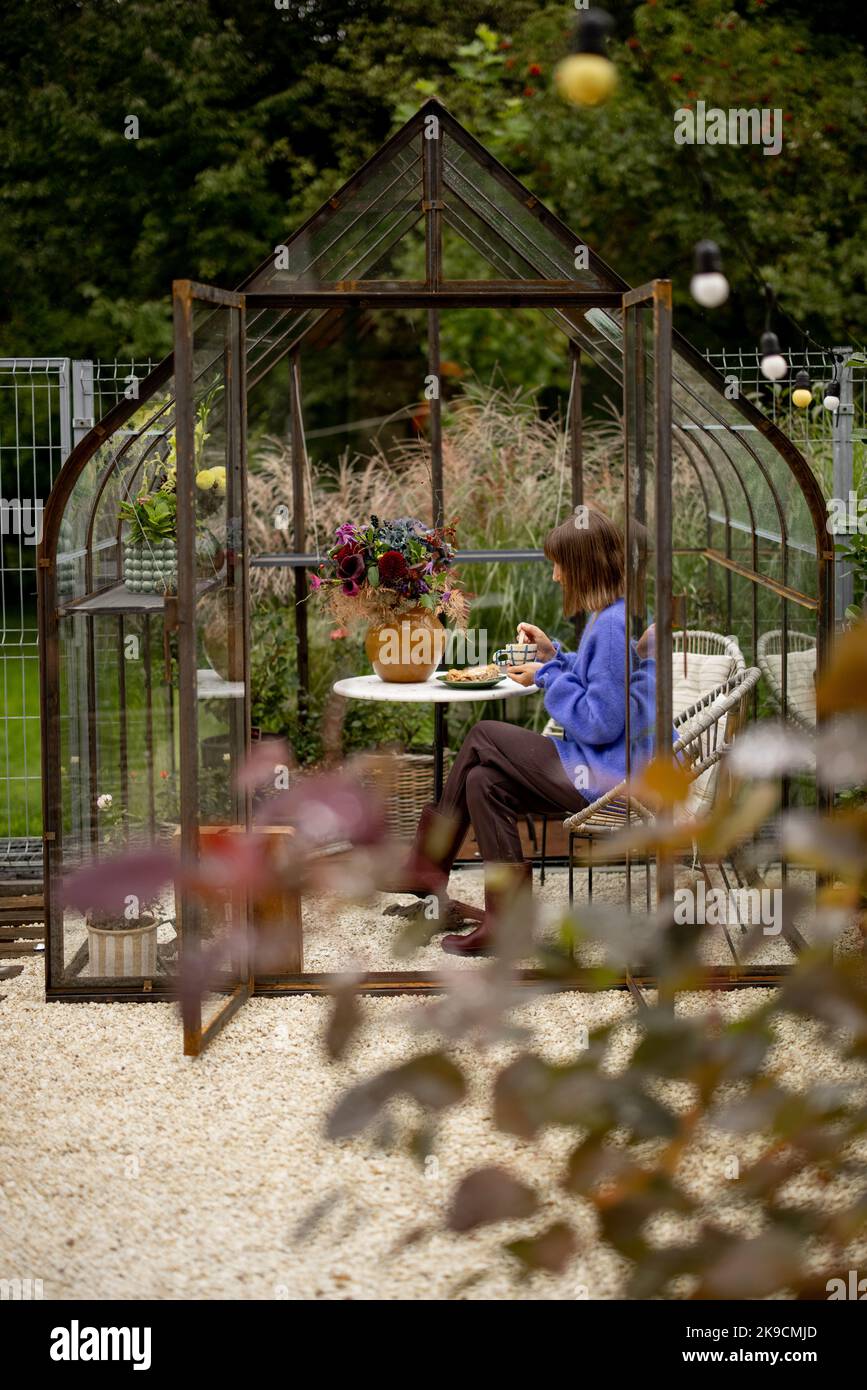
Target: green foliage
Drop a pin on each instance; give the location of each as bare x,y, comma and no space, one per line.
642,1099
249,116
615,175
151,517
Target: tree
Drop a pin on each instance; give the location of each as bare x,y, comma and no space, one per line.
247,117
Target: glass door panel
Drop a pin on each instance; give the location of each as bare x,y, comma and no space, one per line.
647,511
213,652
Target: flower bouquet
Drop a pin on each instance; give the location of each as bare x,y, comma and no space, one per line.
395,575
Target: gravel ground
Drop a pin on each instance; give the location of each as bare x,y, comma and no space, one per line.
132,1172
362,936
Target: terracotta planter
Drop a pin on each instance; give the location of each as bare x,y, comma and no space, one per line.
123,952
407,648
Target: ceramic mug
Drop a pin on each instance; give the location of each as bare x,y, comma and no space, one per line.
515,654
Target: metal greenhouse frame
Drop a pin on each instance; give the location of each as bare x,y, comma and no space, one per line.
766,530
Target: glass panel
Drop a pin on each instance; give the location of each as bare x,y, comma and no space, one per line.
212,620
355,229
511,223
117,756
647,530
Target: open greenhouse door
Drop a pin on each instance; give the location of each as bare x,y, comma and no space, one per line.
647,513
212,634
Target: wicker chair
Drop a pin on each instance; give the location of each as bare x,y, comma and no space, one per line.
707,730
702,661
800,673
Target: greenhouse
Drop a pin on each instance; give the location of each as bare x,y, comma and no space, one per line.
146,682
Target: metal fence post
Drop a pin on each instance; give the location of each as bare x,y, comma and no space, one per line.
842,454
83,418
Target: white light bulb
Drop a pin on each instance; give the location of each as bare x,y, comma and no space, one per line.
709,288
831,400
774,366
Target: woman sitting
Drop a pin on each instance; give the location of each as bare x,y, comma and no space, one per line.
504,771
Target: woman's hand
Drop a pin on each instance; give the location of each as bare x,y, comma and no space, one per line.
526,674
544,646
646,644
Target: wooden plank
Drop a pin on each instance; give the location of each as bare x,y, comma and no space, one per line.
21,917
20,948
20,888
21,933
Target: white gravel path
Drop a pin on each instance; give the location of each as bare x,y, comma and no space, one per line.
129,1171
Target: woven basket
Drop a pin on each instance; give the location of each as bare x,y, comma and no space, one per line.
406,783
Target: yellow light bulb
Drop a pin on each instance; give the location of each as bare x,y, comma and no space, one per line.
802,397
585,79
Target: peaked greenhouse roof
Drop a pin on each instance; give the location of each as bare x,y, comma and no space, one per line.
433,175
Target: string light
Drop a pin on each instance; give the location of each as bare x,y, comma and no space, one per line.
586,76
717,208
831,398
708,286
802,394
773,364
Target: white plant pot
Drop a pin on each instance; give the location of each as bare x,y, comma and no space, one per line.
122,952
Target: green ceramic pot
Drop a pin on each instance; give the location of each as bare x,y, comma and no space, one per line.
151,568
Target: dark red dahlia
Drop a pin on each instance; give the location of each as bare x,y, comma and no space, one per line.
392,566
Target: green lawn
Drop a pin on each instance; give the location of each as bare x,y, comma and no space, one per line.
20,768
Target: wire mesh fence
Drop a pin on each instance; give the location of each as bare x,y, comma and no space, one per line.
46,405
831,439
812,426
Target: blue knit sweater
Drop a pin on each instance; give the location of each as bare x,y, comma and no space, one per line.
584,692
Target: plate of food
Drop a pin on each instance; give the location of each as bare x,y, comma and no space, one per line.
473,677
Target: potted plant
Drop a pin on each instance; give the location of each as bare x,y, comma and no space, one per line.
126,945
394,575
150,548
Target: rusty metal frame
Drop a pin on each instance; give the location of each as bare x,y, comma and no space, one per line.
189,912
284,318
654,298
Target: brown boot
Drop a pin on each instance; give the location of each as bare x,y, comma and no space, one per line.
509,882
426,871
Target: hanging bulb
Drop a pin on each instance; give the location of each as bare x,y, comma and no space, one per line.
831,398
802,396
708,286
587,77
773,364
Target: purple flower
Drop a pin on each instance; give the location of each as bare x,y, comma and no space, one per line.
429,567
351,567
346,533
446,595
350,588
314,581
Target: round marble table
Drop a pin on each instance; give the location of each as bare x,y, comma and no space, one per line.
433,692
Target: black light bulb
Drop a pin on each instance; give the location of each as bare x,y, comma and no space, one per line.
708,286
802,394
773,364
587,77
831,398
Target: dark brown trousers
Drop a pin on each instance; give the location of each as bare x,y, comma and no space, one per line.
502,772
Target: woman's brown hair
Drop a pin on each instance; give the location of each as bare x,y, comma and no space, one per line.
589,548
